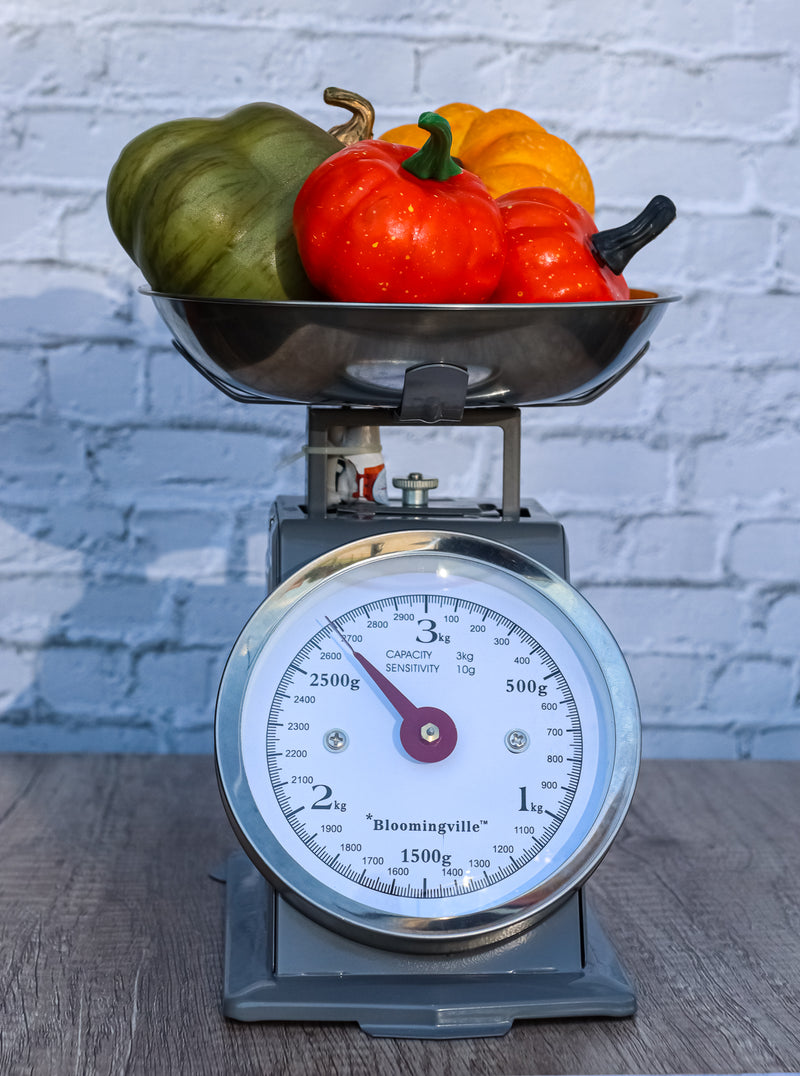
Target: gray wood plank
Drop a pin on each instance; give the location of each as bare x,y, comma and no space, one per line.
111,932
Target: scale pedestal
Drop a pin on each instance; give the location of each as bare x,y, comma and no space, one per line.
279,965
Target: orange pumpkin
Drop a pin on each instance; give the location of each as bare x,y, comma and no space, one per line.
509,151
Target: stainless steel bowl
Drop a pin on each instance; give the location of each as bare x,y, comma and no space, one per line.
350,354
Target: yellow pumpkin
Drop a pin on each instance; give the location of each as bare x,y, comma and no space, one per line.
509,151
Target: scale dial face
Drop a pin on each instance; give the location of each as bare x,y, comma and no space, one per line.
426,741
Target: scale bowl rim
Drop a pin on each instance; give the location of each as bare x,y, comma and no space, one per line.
639,296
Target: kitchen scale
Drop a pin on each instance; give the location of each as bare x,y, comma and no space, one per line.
426,739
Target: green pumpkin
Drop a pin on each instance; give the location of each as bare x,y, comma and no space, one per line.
204,206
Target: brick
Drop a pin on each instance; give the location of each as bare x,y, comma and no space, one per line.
176,390
704,400
181,458
672,684
754,472
775,25
553,86
21,374
573,21
214,616
764,324
84,679
41,454
175,543
667,741
191,741
32,608
175,683
776,169
691,98
789,252
202,564
29,224
45,149
116,611
695,173
756,690
596,547
766,550
18,667
776,743
97,383
94,735
672,547
255,559
25,550
60,538
53,59
690,328
56,304
86,236
782,628
687,618
381,61
593,472
690,27
630,404
184,65
471,70
735,249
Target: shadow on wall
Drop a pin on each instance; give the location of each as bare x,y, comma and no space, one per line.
128,560
94,659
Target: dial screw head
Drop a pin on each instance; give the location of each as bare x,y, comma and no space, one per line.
336,740
430,732
517,740
415,489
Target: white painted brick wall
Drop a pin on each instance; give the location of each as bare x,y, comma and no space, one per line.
133,497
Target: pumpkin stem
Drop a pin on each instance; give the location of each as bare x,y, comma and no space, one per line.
433,161
359,126
616,246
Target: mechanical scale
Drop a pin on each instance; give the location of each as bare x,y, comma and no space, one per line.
426,739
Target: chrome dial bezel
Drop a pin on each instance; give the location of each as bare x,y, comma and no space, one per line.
601,658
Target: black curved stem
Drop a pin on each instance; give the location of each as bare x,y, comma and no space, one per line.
616,246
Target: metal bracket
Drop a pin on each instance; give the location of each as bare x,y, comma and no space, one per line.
434,392
321,418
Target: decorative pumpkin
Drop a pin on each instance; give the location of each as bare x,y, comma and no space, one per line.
509,151
204,206
555,254
378,222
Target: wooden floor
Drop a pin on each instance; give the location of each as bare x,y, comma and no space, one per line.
111,933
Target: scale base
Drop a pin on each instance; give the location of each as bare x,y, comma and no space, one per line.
279,965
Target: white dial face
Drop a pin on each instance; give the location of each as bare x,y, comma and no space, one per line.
426,736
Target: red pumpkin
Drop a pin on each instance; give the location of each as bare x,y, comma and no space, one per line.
379,222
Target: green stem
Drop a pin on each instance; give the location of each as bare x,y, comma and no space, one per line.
433,161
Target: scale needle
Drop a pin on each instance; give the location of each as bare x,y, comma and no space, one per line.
427,733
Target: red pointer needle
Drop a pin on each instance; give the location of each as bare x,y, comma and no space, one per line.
426,733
